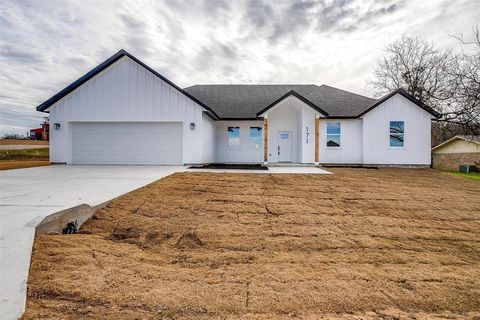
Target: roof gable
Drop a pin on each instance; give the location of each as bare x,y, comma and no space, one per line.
103,66
469,138
296,95
404,94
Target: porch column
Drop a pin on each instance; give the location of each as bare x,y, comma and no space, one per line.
317,141
265,140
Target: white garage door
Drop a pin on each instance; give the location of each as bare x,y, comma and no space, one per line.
127,143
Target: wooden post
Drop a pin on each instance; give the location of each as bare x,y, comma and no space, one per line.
317,142
265,140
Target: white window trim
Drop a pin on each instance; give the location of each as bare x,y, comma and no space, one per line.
404,140
339,135
251,143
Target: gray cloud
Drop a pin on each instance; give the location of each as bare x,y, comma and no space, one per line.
282,20
259,13
17,119
11,53
131,23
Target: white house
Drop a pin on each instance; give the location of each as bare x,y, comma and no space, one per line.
124,112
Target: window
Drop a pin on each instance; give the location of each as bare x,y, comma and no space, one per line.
256,136
397,131
333,134
233,137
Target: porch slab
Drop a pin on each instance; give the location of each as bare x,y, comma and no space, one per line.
271,170
298,170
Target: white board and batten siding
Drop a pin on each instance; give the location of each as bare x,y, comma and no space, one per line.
246,151
417,134
350,150
208,140
127,92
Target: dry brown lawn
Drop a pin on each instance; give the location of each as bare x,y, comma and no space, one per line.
20,164
8,142
359,244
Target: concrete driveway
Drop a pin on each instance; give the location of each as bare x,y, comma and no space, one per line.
29,195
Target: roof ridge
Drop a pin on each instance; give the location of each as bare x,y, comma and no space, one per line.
357,94
253,84
456,137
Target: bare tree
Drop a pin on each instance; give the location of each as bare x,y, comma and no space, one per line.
447,82
475,41
464,105
418,67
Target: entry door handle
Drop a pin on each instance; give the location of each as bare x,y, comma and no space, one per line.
278,150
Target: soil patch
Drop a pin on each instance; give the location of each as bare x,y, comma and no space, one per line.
188,241
358,244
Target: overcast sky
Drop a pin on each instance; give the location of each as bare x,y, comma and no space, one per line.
46,45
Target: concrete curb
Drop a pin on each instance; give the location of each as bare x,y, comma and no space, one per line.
58,220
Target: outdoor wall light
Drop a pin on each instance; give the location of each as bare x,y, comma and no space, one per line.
56,126
192,126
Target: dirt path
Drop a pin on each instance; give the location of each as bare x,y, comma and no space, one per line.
356,244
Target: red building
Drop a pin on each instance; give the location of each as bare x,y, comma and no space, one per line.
40,133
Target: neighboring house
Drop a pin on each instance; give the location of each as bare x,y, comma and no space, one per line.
124,112
459,150
40,133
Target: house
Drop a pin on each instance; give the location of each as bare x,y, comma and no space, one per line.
457,151
124,112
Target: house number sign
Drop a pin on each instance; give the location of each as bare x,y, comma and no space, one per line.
306,135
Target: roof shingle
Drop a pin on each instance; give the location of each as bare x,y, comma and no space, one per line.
245,101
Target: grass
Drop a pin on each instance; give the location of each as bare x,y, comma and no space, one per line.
23,158
358,244
471,175
25,154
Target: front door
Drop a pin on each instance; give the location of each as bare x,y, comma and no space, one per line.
284,146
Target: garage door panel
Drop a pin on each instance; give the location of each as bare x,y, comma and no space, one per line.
126,143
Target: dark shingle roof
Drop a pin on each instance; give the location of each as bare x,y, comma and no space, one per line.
245,101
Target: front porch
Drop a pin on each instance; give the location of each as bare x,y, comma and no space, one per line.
290,133
285,133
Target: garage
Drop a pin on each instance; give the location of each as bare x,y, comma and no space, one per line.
127,143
